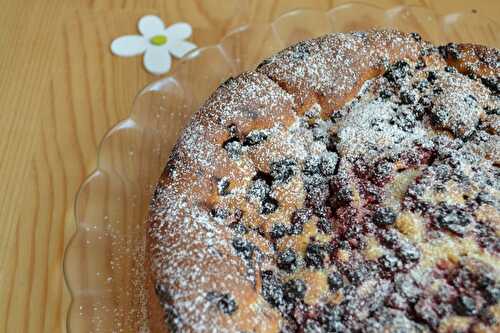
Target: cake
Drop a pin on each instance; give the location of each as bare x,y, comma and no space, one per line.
349,183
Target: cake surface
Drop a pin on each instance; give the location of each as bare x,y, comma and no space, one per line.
349,184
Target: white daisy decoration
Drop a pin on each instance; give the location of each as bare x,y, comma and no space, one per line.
156,42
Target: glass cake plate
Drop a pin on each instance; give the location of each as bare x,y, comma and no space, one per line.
104,262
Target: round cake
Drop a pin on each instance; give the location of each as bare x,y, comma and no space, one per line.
348,184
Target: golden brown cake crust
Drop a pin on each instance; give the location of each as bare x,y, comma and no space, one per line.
225,252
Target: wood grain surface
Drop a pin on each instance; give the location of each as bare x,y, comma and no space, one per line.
60,90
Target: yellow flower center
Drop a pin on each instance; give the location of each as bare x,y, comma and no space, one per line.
158,40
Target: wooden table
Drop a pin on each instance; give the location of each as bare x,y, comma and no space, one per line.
60,90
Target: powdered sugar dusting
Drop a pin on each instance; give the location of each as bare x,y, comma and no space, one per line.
272,213
380,137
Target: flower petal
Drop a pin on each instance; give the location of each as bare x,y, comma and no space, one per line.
178,31
180,48
157,59
151,25
128,46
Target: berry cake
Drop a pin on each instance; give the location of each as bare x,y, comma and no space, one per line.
348,184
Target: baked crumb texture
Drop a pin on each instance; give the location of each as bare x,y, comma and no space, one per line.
349,184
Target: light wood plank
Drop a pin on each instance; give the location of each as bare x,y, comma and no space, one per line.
60,90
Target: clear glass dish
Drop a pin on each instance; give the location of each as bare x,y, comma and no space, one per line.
103,263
